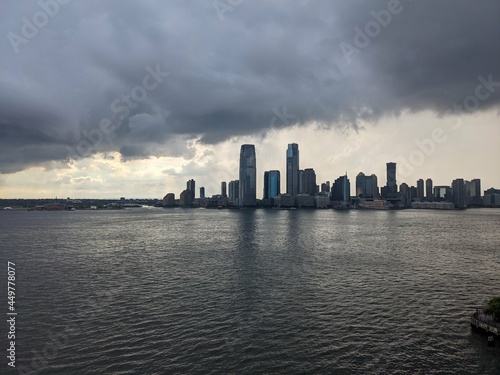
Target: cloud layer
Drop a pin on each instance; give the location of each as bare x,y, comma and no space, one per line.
236,70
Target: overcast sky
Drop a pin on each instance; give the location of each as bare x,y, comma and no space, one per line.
126,98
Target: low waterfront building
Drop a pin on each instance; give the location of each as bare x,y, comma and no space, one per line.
186,199
376,204
305,200
284,200
322,201
433,205
169,200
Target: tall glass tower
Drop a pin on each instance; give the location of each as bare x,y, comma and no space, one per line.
191,185
271,184
429,194
248,179
292,169
392,187
341,189
420,190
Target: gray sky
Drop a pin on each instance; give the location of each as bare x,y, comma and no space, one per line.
122,98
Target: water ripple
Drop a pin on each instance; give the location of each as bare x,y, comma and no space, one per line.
209,292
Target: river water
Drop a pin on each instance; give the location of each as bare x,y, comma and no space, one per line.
194,291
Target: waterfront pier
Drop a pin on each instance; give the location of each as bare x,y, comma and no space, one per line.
486,324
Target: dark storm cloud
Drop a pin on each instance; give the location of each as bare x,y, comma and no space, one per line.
264,64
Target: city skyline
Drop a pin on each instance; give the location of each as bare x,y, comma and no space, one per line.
91,116
460,191
223,186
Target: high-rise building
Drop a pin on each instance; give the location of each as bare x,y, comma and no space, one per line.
413,193
360,184
366,186
307,181
191,185
420,190
341,190
375,193
223,189
248,177
475,191
443,194
458,187
272,183
234,191
325,188
491,198
292,169
429,195
405,193
467,192
392,187
202,192
265,193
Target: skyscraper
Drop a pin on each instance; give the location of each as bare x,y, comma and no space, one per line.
458,187
375,191
429,195
307,181
443,194
191,185
413,193
420,190
366,186
392,187
248,179
360,184
475,191
265,193
292,169
404,189
234,191
272,182
341,190
202,192
223,189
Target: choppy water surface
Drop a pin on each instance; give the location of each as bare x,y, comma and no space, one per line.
154,291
